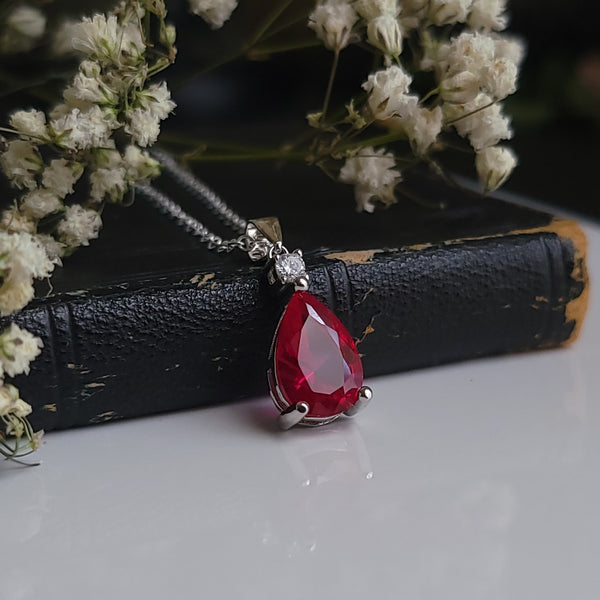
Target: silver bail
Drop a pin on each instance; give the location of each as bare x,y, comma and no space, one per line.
263,233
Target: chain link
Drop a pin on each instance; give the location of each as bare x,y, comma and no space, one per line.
256,248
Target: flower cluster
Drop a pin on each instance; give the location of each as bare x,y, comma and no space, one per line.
471,70
17,349
68,163
75,146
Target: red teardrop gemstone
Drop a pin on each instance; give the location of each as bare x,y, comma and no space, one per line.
316,360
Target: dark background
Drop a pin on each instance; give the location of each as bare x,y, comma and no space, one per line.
556,113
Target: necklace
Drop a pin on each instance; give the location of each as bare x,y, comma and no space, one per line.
315,374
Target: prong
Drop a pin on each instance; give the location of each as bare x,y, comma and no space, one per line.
298,252
293,415
364,396
301,283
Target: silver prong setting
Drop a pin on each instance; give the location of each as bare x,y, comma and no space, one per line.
293,415
364,397
301,283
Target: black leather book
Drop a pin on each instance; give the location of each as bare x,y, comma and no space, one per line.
147,320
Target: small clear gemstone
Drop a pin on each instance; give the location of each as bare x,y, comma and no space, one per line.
289,267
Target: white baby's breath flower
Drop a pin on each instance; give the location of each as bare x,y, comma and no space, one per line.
423,127
54,249
388,93
481,121
460,88
371,9
9,396
79,226
374,176
509,47
81,130
494,166
20,162
384,33
139,164
18,348
22,258
13,221
40,202
15,294
108,158
143,126
445,12
488,14
214,12
61,175
108,184
500,78
467,52
156,99
30,123
21,409
106,40
333,22
24,25
88,87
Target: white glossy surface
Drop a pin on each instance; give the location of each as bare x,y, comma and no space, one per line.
468,482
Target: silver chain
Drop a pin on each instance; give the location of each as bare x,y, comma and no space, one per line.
199,190
259,238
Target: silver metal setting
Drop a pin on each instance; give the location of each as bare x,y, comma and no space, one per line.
302,283
364,397
293,415
290,267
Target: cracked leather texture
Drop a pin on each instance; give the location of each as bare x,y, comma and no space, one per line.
161,324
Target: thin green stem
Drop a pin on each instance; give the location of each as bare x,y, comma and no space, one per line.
279,48
429,95
379,140
473,112
242,50
249,157
334,66
275,30
266,24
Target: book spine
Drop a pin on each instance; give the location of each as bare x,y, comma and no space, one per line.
202,339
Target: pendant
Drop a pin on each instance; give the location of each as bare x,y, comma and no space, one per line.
316,373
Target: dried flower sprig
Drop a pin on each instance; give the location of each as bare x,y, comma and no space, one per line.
92,142
472,71
17,349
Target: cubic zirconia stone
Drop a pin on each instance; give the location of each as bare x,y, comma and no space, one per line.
289,267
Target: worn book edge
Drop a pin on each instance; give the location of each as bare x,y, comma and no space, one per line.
567,230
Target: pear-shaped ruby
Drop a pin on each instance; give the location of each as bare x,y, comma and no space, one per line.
315,359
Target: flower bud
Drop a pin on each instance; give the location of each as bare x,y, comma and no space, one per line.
384,33
494,166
